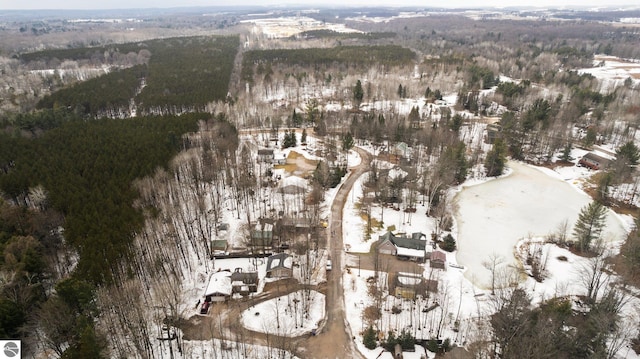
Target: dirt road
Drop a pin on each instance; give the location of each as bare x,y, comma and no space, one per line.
335,338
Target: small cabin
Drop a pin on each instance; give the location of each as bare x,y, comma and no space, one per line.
594,161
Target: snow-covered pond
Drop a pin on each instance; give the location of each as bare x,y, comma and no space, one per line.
494,215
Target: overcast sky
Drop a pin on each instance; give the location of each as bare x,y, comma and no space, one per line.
126,4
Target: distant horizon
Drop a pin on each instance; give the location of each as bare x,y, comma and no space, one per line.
71,5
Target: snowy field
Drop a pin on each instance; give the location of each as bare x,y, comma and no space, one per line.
613,71
495,215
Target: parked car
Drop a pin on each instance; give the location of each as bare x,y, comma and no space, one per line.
328,264
205,308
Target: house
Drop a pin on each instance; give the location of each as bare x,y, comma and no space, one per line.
266,155
293,185
219,288
261,237
244,282
438,260
400,149
403,247
295,224
279,158
594,161
280,266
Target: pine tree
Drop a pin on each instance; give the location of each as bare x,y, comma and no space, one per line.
369,338
358,93
590,224
448,244
629,152
496,159
347,141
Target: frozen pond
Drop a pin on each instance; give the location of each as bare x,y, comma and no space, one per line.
494,215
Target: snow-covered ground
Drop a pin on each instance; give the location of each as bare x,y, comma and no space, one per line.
613,71
286,315
495,215
289,26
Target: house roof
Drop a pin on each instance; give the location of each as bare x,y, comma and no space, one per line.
407,252
280,260
405,242
597,158
219,244
265,151
219,284
244,277
438,256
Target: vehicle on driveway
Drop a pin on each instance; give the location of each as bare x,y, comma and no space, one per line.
205,308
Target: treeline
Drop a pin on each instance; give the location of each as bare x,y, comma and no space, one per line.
81,53
183,74
330,34
98,95
86,169
189,72
389,55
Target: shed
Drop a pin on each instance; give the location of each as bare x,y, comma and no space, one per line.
438,260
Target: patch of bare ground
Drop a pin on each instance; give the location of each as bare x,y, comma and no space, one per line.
457,353
617,206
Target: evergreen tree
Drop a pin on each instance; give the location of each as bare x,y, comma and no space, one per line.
496,159
453,164
427,93
414,115
347,141
456,122
590,224
303,138
296,119
448,244
629,152
358,94
289,139
566,153
369,338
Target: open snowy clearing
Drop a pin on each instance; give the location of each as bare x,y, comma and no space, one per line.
286,315
613,71
495,215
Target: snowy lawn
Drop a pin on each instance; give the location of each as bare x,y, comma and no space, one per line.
286,315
